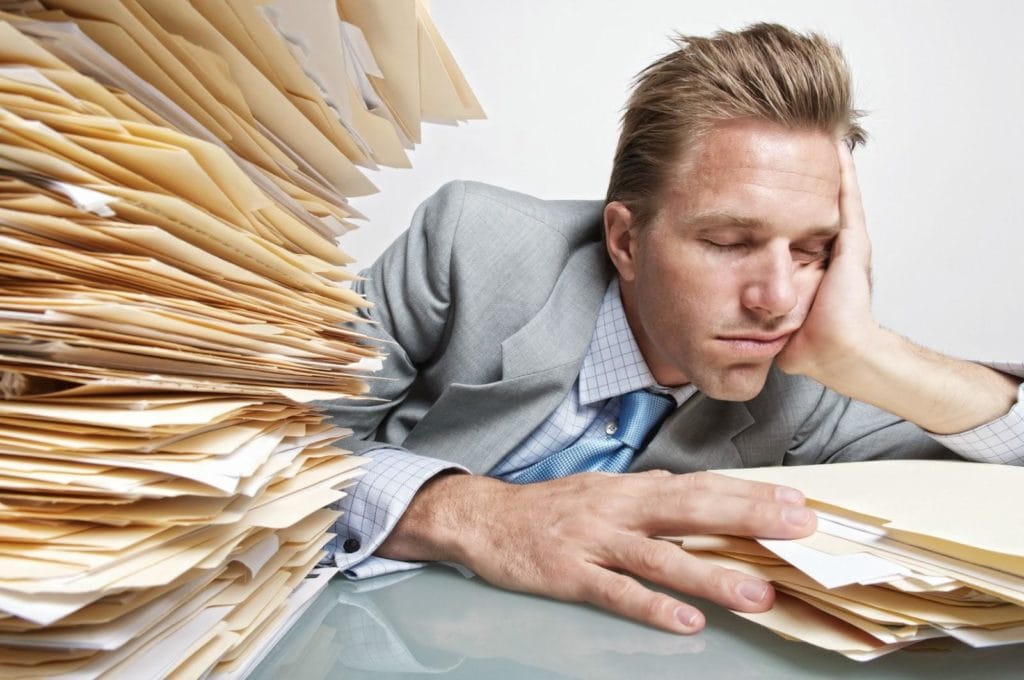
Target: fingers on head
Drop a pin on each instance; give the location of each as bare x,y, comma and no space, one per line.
849,189
846,166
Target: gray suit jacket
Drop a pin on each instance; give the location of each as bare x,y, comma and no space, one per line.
486,306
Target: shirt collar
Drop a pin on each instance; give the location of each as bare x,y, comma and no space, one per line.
613,364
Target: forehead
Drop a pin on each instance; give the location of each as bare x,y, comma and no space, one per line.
759,171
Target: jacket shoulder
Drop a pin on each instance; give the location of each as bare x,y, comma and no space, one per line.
481,207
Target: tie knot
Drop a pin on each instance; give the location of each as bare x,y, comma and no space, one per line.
640,413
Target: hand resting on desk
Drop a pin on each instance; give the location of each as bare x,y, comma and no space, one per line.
584,538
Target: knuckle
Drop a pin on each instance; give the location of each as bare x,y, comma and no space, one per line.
720,581
653,557
687,506
575,483
569,529
652,608
615,507
573,589
703,480
758,517
766,516
588,483
614,591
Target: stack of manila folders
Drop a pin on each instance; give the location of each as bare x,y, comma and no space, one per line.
174,177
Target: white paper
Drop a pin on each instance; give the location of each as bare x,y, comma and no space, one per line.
835,571
982,637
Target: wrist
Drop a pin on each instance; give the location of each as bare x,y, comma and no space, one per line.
439,523
939,394
844,366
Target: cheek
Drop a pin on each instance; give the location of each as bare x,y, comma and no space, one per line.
807,288
686,293
678,268
685,287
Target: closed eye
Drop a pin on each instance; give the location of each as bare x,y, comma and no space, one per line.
725,245
809,255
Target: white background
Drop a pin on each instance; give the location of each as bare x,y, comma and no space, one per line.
941,175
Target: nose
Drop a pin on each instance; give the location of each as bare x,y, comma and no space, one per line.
771,290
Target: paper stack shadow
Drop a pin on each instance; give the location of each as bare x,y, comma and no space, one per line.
173,179
906,550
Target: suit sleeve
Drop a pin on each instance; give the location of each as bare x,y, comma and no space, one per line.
408,287
840,429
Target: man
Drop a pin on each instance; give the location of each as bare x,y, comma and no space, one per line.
721,290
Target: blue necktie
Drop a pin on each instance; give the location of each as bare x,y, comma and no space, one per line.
639,414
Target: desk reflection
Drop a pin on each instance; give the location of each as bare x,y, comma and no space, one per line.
436,622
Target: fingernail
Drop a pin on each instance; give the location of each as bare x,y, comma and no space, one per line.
784,494
755,591
687,616
798,516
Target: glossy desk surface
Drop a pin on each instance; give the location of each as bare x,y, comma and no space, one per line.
439,623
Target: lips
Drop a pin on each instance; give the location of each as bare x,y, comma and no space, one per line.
759,337
755,345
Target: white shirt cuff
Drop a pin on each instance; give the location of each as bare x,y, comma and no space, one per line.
997,441
374,505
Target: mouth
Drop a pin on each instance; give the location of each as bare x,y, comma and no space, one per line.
755,345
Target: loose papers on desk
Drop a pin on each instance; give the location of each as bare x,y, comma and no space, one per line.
173,177
906,550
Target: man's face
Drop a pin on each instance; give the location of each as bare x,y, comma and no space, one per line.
726,270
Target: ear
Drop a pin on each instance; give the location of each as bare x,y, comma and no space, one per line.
620,239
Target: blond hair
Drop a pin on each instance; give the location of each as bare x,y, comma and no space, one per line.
765,72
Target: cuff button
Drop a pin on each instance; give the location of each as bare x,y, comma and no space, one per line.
350,545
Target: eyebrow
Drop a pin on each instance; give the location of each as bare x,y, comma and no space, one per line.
714,218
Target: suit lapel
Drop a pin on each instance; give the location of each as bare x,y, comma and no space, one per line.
697,436
560,332
478,425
